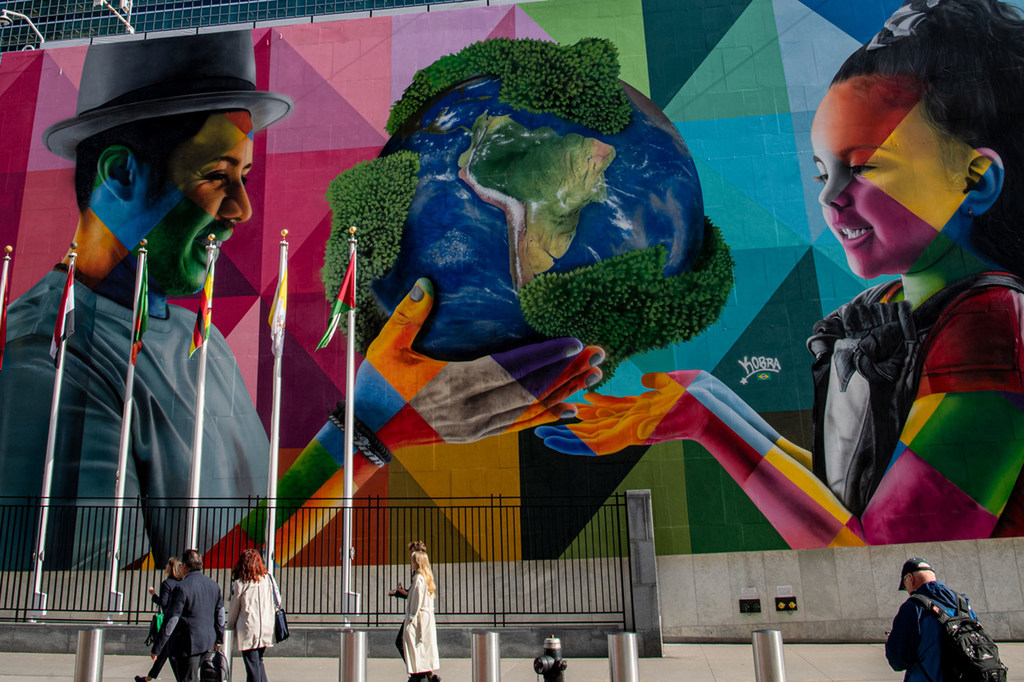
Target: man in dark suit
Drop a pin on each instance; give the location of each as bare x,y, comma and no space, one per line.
194,620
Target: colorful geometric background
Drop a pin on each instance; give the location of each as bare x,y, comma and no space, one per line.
739,79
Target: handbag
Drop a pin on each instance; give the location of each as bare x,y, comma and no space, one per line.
213,666
154,628
280,619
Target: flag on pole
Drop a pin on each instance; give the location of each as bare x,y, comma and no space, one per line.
346,301
277,314
141,311
5,288
203,317
65,326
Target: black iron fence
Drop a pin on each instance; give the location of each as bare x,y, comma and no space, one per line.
497,561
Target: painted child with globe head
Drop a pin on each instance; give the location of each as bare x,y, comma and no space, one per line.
920,154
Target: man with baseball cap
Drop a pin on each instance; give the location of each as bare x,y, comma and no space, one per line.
914,644
163,142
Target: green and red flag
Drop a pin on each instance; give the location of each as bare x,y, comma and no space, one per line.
141,311
345,302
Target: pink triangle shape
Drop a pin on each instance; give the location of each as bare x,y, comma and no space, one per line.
298,205
322,118
238,319
420,39
526,27
352,57
58,95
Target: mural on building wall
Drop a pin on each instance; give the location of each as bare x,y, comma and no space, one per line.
519,249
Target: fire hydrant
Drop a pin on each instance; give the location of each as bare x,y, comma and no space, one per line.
551,664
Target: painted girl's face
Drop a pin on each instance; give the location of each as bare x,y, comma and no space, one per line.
889,177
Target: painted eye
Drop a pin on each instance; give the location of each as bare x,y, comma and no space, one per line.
820,179
858,170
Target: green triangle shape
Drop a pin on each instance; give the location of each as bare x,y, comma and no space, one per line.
679,38
661,471
622,21
742,76
769,367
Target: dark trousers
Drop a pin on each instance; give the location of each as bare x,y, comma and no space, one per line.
186,668
158,664
253,660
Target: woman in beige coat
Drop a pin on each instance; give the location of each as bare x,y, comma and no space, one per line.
251,612
420,634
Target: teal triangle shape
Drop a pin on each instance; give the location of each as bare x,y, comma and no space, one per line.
758,273
812,50
679,36
741,76
752,201
836,284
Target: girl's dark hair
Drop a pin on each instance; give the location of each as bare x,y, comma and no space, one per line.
249,568
968,56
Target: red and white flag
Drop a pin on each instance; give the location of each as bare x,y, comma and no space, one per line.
65,326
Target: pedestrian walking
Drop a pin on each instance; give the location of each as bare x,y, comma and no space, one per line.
194,623
922,642
173,573
419,637
251,606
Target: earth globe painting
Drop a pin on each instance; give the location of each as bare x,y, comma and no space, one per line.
543,197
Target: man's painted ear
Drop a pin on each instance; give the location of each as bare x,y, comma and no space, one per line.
984,182
117,172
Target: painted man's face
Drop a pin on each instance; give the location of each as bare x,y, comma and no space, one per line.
210,170
890,180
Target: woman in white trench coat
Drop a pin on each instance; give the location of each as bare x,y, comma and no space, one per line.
251,612
420,634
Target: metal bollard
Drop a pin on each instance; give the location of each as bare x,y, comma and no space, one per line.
769,665
352,661
622,657
486,657
89,657
228,647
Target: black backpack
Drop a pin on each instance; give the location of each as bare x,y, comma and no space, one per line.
968,653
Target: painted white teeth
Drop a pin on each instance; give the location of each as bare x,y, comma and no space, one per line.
853,234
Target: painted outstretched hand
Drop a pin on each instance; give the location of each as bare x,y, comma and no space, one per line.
408,398
609,424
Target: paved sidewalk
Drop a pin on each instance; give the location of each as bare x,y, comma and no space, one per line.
682,662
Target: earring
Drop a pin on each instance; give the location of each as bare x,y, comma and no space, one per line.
970,211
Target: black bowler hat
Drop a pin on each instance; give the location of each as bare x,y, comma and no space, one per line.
132,80
912,566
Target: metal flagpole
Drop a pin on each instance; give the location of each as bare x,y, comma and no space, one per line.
277,334
116,599
350,603
38,596
197,434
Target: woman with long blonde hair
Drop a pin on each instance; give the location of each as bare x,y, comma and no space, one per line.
420,633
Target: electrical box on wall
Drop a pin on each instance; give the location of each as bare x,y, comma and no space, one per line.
750,606
785,600
785,603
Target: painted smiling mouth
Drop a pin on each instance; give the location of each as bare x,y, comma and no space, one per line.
852,233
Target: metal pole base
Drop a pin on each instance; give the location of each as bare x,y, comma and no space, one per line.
769,664
486,657
115,603
623,660
352,659
89,659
